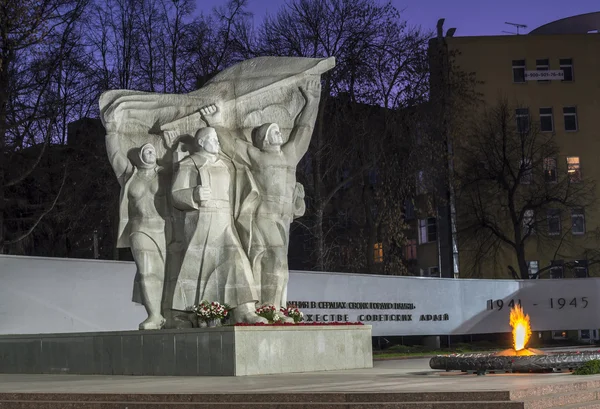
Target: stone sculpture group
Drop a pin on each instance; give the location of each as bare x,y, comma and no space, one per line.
208,185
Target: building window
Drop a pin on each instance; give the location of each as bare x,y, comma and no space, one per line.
410,249
529,222
526,171
580,269
434,271
421,183
550,170
343,218
546,120
566,64
532,269
374,210
378,252
409,210
427,230
518,68
542,65
559,334
522,115
574,169
554,226
373,177
570,117
557,269
345,175
577,221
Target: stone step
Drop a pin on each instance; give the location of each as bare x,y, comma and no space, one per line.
548,389
331,397
557,400
271,405
588,405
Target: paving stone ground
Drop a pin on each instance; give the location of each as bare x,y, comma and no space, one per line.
406,375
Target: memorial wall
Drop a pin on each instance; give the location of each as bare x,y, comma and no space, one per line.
44,295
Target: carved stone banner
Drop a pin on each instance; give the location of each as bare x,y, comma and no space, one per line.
208,185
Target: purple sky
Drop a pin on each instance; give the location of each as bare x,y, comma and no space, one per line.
470,17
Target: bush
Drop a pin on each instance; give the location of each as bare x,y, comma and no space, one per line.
406,349
589,368
474,346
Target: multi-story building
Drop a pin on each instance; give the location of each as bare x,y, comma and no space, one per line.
551,78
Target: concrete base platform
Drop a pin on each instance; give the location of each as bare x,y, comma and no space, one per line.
399,384
222,351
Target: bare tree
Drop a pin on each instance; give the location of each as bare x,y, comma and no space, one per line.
514,191
35,36
114,35
177,40
213,43
380,62
149,50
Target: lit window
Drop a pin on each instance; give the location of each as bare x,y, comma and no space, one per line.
427,230
518,68
557,269
554,226
529,222
378,253
566,64
570,117
542,65
522,115
546,120
532,269
526,172
410,249
550,170
574,169
580,269
577,221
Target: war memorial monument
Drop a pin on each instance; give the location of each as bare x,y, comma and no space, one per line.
208,193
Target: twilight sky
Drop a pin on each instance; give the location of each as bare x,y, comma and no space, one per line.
470,17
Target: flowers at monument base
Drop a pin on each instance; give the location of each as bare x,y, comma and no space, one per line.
207,311
269,312
293,312
300,324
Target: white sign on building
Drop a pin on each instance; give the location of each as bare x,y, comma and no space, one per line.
544,75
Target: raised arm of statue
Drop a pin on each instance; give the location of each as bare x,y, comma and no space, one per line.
299,140
117,157
231,145
212,115
170,138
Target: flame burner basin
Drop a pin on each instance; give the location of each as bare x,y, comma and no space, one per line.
517,362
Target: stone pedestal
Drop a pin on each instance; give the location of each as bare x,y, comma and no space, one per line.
221,351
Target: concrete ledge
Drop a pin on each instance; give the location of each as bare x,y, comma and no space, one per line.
223,351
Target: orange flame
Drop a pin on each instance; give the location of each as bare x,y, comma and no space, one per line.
521,329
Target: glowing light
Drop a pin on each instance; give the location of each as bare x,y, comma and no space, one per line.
521,329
